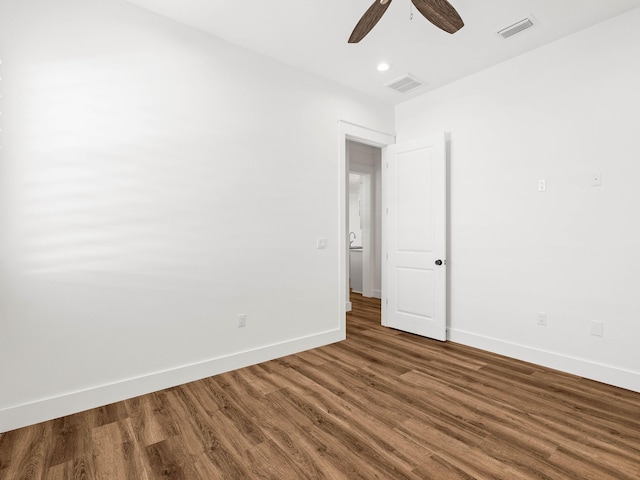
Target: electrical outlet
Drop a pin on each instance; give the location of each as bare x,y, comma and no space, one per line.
242,320
596,180
542,318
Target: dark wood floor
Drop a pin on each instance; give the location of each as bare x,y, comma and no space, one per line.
381,405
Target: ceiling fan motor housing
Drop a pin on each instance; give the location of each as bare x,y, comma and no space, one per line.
439,12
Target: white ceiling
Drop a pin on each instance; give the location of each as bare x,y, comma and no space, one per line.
312,35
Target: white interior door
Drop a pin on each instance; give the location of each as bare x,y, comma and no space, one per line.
415,272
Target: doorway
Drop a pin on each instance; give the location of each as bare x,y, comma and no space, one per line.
362,139
364,217
414,279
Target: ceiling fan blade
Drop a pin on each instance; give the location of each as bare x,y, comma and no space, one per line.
369,20
440,13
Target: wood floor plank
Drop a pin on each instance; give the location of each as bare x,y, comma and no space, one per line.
67,432
296,434
135,465
145,421
331,440
436,438
60,471
164,461
108,454
82,469
260,379
291,439
33,446
350,417
381,405
435,468
215,439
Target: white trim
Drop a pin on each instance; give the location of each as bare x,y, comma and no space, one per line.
65,404
599,372
365,135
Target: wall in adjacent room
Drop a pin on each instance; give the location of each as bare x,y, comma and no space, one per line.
561,113
155,183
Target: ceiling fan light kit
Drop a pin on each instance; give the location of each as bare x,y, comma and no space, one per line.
439,12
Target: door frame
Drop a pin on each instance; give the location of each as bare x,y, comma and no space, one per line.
367,136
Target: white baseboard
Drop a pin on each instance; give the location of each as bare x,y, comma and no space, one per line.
377,293
611,375
54,407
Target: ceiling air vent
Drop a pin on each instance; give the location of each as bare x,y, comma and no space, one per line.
516,28
405,83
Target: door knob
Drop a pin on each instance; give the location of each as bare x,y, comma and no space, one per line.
438,262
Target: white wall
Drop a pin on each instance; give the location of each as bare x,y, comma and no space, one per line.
355,222
561,113
155,183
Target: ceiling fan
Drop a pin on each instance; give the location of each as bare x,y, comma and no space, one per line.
438,12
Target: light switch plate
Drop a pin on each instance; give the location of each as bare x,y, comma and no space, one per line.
542,185
597,328
542,318
321,243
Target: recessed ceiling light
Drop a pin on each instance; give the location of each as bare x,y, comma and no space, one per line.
383,67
